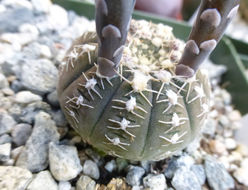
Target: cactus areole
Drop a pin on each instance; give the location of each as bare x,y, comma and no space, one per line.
131,89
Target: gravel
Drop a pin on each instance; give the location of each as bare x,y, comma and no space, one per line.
69,164
35,154
39,146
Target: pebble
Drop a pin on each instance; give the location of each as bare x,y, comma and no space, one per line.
5,138
217,147
35,154
3,81
85,183
155,182
134,175
217,176
210,127
5,152
241,174
91,169
185,179
21,133
14,178
15,18
42,6
110,166
175,163
67,157
230,143
242,149
7,123
64,185
199,172
26,97
16,152
43,180
53,98
39,76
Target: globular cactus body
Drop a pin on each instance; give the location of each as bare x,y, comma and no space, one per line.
145,112
140,98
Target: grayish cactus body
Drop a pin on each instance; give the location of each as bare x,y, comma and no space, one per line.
133,106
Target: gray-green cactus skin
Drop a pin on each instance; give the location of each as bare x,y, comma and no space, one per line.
136,107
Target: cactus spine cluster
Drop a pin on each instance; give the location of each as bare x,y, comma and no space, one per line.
138,95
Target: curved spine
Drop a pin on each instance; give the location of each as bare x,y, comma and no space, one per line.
212,20
112,25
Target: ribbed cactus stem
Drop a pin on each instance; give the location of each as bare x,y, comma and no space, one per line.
212,20
112,25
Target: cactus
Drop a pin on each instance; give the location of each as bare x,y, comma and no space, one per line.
138,95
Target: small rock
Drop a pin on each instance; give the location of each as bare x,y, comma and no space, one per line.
3,81
43,180
241,175
53,98
21,133
64,185
15,18
91,169
5,152
5,139
8,92
35,154
217,147
230,143
199,172
146,165
6,123
67,157
134,175
117,184
210,127
175,163
242,149
16,152
185,179
12,178
217,176
155,182
85,183
26,97
110,166
42,6
39,76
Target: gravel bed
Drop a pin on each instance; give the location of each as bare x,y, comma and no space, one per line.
39,150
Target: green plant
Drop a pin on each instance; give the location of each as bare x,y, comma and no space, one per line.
140,98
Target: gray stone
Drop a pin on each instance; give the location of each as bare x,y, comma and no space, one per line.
67,157
59,118
199,172
5,152
42,5
29,112
85,183
110,166
35,154
175,163
14,178
5,139
155,182
7,123
21,133
217,176
91,169
39,76
14,18
210,127
64,185
26,97
134,175
53,98
3,81
185,179
43,180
